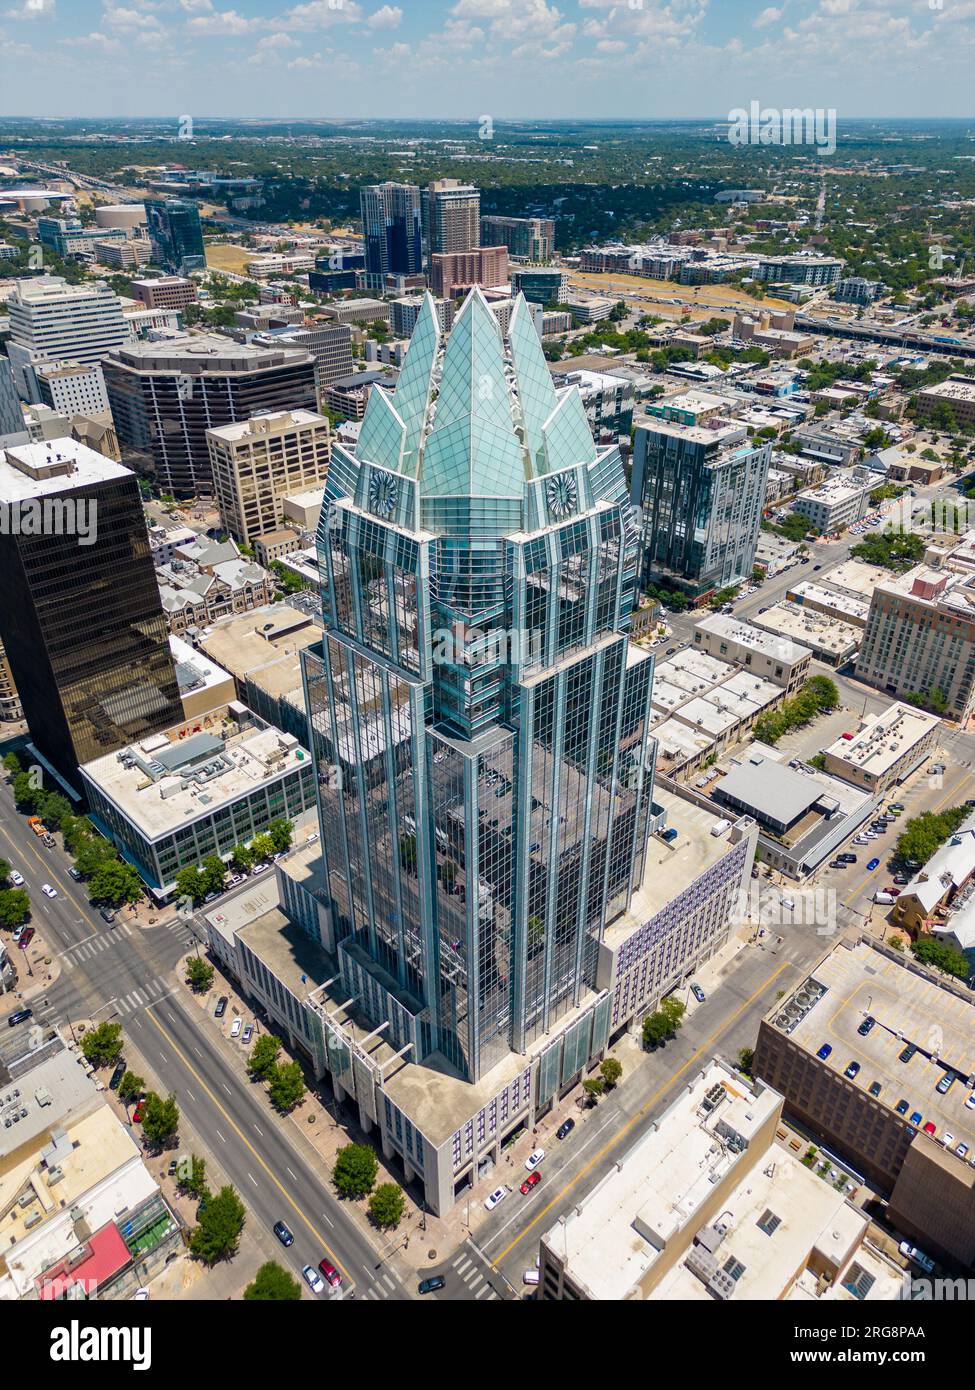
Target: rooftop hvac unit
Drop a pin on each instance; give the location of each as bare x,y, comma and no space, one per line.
26,1198
54,1175
33,1219
721,1284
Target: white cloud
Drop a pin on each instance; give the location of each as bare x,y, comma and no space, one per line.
119,17
769,16
319,14
226,22
104,42
33,9
389,17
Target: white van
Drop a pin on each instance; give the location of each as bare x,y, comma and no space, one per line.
881,897
530,1276
721,827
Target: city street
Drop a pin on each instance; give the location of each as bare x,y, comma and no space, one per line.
125,974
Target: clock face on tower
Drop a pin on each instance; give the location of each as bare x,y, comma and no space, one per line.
383,494
563,495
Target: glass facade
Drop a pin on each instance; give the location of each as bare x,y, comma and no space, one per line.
85,633
176,234
702,498
478,717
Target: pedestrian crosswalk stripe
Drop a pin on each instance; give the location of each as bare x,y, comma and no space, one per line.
461,1265
473,1283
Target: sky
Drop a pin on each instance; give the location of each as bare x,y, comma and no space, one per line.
468,59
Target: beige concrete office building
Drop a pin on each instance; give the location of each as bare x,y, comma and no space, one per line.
259,462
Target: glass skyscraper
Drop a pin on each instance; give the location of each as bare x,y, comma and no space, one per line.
478,716
702,493
391,226
176,234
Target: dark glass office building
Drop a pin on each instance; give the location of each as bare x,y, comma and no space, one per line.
391,225
701,490
81,618
176,234
165,396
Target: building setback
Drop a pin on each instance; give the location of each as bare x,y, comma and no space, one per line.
82,623
165,396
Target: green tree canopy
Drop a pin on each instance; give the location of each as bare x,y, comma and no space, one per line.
131,1085
160,1118
354,1174
287,1086
114,882
387,1205
220,1224
264,1056
199,972
102,1045
272,1284
14,907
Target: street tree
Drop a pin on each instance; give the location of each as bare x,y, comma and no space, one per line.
199,972
611,1070
354,1174
387,1205
102,1045
160,1119
131,1085
220,1223
287,1086
272,1284
264,1056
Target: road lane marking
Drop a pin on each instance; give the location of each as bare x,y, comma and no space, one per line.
259,1130
641,1114
246,1142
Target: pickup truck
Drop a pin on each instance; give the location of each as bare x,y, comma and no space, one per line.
37,825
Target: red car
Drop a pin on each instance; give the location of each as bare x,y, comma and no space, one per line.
137,1113
330,1274
930,1128
531,1181
25,938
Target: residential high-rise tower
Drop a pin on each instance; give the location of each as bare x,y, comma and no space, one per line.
451,216
391,225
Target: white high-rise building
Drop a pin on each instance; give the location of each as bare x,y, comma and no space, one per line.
52,321
72,388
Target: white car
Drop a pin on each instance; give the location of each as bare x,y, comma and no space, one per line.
534,1159
140,1294
310,839
530,1276
260,869
970,1102
16,879
498,1195
48,891
313,1279
235,1027
948,1139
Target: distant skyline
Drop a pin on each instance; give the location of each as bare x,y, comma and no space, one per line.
473,58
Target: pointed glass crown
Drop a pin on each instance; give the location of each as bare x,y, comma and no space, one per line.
478,417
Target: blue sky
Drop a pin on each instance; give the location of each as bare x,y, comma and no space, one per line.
469,58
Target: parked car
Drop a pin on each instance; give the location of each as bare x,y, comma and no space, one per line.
874,864
139,1111
824,1052
235,1027
21,1016
698,993
970,1102
907,1053
498,1195
26,937
534,1159
530,1276
852,1070
248,1034
330,1273
48,891
931,1128
530,1183
944,1085
221,1008
668,836
918,1256
431,1285
916,1118
117,1074
875,1089
847,858
16,879
901,1107
106,914
962,1150
866,1025
260,869
313,1279
565,1129
76,874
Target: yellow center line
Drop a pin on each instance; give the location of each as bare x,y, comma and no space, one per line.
243,1138
661,1089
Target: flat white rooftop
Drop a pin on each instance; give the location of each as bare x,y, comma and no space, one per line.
745,635
616,1234
76,466
165,782
883,739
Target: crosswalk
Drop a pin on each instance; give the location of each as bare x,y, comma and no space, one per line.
94,945
381,1288
471,1275
150,993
